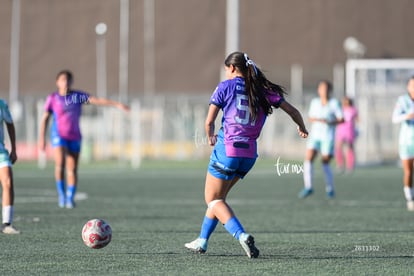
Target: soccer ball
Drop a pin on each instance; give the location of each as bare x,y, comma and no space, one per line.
96,233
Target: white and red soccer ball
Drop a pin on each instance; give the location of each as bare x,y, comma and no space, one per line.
96,233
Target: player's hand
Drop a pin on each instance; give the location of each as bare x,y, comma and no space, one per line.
13,156
319,120
302,132
123,107
212,140
42,144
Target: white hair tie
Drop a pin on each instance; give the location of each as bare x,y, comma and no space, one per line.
250,62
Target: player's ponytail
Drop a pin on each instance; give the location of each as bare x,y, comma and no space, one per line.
256,83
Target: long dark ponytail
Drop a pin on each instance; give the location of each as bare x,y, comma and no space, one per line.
256,83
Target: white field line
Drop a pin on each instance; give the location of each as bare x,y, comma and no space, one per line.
41,196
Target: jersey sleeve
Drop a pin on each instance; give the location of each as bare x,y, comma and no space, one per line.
275,99
399,113
48,104
218,96
7,117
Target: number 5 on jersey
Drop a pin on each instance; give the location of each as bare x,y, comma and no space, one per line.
243,107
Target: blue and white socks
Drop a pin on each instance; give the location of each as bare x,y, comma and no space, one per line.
207,228
60,187
70,196
307,174
234,227
66,198
328,178
308,177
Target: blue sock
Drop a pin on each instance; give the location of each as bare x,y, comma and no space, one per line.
70,193
234,227
60,187
208,227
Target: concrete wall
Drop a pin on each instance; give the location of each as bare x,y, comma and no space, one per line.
190,39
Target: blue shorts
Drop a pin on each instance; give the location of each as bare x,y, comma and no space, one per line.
70,145
228,168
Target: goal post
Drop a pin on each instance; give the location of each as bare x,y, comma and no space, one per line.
375,85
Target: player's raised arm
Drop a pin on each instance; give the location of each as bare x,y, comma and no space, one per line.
296,117
106,102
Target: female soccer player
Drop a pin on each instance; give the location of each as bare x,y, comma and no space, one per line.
246,98
345,135
6,174
404,114
325,113
65,105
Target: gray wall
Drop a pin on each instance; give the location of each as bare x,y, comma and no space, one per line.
190,36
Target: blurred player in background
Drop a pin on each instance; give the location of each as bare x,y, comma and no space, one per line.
325,113
404,114
65,105
6,173
246,98
345,136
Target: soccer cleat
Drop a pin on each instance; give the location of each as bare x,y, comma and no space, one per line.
70,205
198,245
330,194
9,229
410,205
247,242
305,193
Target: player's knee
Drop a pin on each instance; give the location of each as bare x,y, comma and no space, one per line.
70,172
6,183
59,168
212,203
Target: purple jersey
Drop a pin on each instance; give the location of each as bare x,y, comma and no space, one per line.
66,112
240,130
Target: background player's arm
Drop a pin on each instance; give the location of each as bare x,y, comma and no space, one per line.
399,118
107,102
296,117
42,132
12,135
339,115
313,119
338,120
400,115
334,122
213,110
